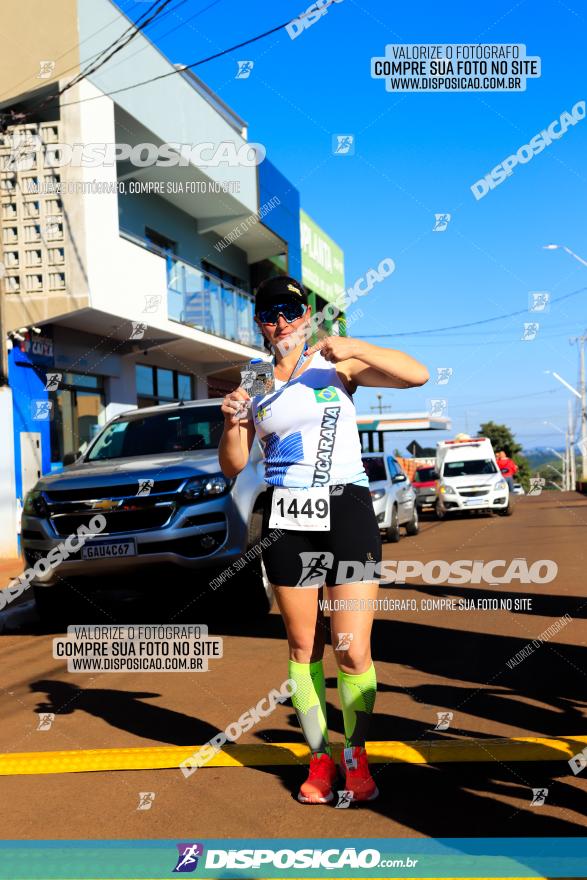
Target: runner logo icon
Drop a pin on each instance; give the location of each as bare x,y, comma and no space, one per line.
187,860
344,799
315,567
539,796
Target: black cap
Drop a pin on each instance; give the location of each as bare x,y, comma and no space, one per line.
280,288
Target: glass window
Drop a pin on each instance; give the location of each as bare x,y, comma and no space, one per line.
194,300
165,384
78,414
184,386
80,380
160,241
157,385
229,313
179,430
425,475
145,383
469,468
214,306
375,468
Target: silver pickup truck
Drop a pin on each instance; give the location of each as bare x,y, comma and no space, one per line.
153,475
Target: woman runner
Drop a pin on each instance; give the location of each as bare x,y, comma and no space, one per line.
319,497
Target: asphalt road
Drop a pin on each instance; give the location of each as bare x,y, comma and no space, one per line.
428,662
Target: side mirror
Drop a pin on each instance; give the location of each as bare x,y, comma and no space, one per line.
70,458
399,478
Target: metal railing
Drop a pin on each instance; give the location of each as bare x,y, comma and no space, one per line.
198,299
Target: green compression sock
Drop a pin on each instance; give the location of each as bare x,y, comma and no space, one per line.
357,699
309,701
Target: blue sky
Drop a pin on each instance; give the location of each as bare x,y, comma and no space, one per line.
416,155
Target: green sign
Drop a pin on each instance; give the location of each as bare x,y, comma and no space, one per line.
322,260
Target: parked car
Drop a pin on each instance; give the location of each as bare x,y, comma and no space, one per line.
424,483
154,475
394,498
519,489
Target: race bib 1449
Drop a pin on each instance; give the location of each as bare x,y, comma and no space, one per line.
301,509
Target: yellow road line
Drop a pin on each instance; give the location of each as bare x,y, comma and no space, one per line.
274,754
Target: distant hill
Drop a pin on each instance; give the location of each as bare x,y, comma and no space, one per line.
540,456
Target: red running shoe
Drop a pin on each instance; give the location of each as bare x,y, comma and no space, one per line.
317,789
358,779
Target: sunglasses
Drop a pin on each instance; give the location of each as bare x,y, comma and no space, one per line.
291,311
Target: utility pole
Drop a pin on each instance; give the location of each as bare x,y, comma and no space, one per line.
580,340
571,436
583,443
581,394
380,408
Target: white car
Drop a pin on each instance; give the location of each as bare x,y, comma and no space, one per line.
469,478
393,496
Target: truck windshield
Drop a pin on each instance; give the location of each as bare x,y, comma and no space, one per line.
177,430
469,468
425,475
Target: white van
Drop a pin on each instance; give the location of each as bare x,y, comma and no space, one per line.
469,478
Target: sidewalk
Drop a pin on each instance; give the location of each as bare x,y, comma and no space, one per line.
9,569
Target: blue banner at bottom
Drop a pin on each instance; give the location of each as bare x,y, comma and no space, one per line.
517,857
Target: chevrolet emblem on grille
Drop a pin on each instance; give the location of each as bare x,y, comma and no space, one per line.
104,504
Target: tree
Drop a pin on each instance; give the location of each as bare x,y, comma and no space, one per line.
502,438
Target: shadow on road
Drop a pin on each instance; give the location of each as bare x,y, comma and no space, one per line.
125,710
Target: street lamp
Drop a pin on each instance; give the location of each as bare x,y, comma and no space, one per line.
550,449
565,383
563,247
552,425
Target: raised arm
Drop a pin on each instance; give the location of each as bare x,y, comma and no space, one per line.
362,363
238,435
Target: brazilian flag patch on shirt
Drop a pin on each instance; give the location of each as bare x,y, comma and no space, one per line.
326,395
263,413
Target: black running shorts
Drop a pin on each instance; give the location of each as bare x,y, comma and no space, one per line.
348,553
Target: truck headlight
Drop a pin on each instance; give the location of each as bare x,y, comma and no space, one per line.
376,494
206,486
447,490
500,485
35,504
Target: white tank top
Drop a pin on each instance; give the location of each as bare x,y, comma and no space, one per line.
308,430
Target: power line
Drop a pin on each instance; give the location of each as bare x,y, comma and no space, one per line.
470,323
160,37
116,46
71,49
135,26
130,33
179,69
502,399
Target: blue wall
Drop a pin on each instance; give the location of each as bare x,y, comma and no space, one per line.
284,219
28,384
